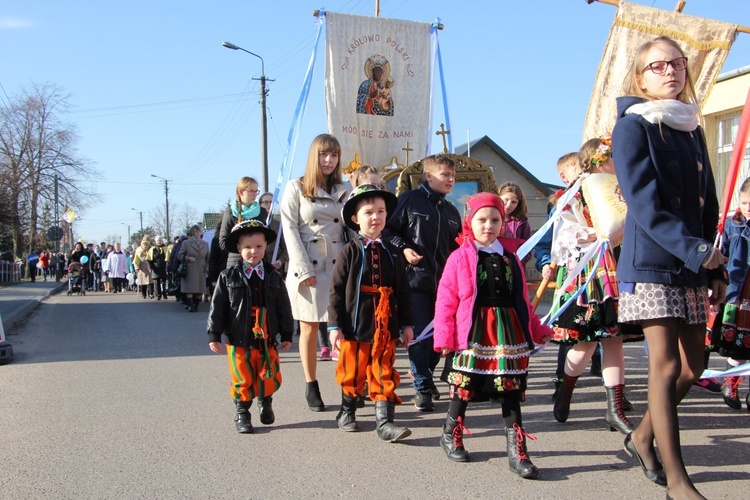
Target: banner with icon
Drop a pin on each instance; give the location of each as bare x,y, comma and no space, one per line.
377,86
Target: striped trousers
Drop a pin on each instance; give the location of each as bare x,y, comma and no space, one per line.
357,365
246,368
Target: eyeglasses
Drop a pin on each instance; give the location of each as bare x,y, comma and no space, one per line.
267,202
252,191
660,67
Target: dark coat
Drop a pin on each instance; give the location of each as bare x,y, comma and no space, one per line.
428,224
354,312
230,255
666,180
231,304
736,243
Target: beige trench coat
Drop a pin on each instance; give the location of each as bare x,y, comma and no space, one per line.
314,234
140,262
195,280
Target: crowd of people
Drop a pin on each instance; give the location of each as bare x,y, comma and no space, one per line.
360,272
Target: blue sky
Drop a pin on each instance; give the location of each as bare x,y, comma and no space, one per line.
154,92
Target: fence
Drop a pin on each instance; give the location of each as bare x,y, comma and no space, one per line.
10,271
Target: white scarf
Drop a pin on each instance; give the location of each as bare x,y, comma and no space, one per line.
673,113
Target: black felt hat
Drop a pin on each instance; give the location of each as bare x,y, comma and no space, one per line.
366,191
248,227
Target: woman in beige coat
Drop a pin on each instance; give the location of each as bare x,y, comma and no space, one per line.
194,251
140,262
314,234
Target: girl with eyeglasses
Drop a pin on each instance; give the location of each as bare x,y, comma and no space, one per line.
670,274
243,207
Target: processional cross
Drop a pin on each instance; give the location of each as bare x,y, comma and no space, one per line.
443,133
407,149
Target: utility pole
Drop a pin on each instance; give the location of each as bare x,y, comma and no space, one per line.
166,195
57,215
141,214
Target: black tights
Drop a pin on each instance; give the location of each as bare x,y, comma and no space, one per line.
511,409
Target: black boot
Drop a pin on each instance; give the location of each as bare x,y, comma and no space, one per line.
242,419
615,418
312,393
626,404
452,440
196,302
731,393
558,384
562,403
143,291
150,291
346,417
266,410
518,458
387,430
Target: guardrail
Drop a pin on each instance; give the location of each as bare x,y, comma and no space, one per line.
10,272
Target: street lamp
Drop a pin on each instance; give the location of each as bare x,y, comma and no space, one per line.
128,232
166,195
141,214
264,137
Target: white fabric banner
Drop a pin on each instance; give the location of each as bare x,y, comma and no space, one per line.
377,87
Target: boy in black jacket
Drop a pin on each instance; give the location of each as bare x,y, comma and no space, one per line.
250,306
370,301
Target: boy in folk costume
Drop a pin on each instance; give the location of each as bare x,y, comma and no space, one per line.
370,301
250,306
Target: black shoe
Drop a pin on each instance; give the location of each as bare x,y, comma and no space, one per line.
360,401
561,410
452,439
558,384
435,393
518,458
266,410
423,401
386,429
656,475
614,417
242,419
312,394
626,404
731,393
346,419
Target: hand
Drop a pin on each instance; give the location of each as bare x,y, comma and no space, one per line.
191,259
717,294
215,347
335,337
309,281
285,346
548,272
546,339
412,257
277,264
714,259
445,351
588,239
408,334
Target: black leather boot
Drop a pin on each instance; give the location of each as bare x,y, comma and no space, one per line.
266,410
731,392
312,393
452,440
615,418
518,458
387,430
242,419
562,403
346,417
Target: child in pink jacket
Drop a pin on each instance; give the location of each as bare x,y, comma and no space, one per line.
484,317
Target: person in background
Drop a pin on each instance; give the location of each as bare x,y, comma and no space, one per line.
194,251
117,266
44,263
33,260
243,207
157,262
140,261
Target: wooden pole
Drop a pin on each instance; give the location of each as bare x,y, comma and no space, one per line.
377,8
616,3
680,5
542,288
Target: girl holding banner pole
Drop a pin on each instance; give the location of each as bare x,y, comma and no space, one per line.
669,271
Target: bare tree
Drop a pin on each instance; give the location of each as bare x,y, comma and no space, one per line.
186,217
37,145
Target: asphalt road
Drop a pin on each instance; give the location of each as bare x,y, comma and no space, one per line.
111,396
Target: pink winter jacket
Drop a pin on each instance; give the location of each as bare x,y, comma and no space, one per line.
458,291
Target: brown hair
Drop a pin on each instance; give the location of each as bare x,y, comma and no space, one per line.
243,184
433,162
522,208
586,155
632,84
313,178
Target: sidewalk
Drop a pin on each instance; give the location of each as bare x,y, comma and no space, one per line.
19,300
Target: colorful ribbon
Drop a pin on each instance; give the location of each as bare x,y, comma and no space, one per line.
260,336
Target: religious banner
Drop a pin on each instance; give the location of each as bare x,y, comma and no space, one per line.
705,42
377,87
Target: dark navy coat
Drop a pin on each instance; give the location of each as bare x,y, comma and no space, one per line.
735,245
668,185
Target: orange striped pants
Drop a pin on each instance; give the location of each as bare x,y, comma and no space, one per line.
245,368
357,365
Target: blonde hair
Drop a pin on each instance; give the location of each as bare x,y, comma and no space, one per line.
586,155
313,178
522,208
243,184
567,160
633,79
359,176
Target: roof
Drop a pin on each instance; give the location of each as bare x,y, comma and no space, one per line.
210,220
486,141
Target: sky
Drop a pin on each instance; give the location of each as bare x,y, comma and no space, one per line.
153,92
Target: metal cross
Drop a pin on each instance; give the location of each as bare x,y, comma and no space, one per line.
443,133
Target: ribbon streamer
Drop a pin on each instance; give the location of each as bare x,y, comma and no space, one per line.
735,371
291,145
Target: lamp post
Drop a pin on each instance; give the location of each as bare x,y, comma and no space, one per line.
264,136
128,243
166,195
141,214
